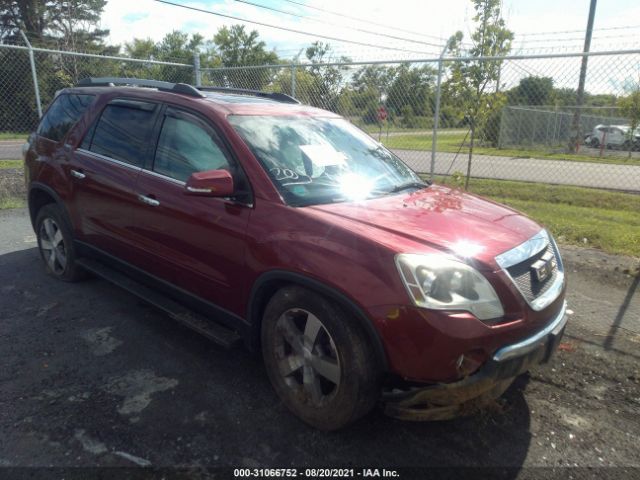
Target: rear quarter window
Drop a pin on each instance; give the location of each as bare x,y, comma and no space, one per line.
63,114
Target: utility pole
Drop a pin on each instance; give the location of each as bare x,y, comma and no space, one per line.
574,142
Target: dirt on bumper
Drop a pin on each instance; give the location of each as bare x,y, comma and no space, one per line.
471,394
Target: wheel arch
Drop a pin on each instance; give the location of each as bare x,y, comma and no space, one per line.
270,282
41,195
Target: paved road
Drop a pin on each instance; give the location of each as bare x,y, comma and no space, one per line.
615,177
10,149
583,174
90,376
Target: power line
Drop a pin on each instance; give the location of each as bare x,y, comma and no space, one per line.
301,32
343,26
578,39
532,34
338,14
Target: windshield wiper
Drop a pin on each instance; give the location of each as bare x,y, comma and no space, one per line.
407,186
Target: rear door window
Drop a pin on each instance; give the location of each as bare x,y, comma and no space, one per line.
123,131
63,114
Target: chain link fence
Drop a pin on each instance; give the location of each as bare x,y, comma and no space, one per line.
519,114
20,102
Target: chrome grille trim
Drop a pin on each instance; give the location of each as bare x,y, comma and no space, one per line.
536,244
529,344
524,251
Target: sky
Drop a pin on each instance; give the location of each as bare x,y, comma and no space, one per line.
424,23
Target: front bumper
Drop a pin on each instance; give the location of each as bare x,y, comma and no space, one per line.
445,401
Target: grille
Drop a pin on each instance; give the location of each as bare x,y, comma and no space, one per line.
525,279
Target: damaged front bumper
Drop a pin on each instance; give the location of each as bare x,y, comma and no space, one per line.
450,400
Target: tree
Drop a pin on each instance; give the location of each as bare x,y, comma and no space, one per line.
532,91
470,79
236,48
304,82
328,80
65,24
368,89
176,46
59,24
412,86
630,106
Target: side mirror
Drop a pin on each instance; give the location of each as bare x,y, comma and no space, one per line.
212,183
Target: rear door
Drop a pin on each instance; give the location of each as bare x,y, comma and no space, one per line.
104,171
196,243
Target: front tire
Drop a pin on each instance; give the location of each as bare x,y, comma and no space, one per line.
55,243
318,359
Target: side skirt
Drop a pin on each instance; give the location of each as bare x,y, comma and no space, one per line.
215,323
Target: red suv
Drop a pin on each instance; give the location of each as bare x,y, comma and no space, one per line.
250,217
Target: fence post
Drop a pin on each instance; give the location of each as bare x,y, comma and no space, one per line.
293,80
196,68
436,113
34,75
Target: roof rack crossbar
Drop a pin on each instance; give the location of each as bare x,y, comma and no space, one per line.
182,88
279,97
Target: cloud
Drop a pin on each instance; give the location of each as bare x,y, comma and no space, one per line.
432,21
148,19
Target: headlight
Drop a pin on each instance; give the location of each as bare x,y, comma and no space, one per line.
444,284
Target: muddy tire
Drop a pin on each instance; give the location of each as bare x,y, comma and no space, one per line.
55,243
318,359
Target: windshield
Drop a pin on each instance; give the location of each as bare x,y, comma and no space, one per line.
315,160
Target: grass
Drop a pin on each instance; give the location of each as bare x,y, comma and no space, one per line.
607,220
12,193
4,164
448,142
374,129
14,136
12,202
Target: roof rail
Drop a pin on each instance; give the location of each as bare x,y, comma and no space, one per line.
278,97
182,88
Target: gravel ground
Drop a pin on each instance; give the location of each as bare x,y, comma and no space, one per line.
92,377
11,183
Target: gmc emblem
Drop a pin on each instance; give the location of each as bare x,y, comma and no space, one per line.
543,268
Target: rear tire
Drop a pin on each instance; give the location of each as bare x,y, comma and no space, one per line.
318,359
55,243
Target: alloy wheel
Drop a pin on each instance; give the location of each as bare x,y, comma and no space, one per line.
52,246
307,357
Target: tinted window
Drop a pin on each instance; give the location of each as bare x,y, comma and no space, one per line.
63,114
122,133
186,146
86,141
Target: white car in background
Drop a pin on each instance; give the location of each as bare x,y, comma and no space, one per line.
614,136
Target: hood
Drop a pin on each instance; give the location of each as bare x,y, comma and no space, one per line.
435,218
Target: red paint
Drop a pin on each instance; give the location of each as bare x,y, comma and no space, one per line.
217,249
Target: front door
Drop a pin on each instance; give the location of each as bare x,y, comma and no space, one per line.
196,243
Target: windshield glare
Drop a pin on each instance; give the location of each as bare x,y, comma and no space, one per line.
315,160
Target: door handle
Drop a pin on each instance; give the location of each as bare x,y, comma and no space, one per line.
78,174
148,200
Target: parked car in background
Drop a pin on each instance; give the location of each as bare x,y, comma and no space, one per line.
252,218
614,136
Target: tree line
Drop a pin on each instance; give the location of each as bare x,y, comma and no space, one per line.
472,94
